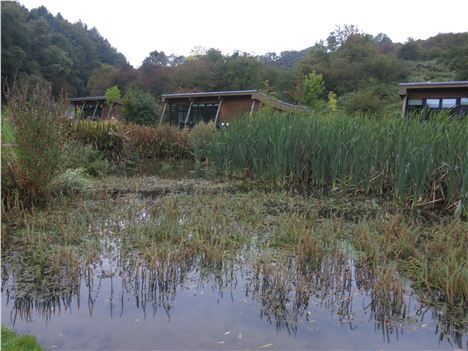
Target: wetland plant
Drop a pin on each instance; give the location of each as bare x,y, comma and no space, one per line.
424,165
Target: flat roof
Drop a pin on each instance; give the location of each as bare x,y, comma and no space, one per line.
404,87
210,94
252,94
88,98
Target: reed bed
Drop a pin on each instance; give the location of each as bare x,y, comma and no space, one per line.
422,164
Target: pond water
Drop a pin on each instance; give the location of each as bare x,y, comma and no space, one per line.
125,303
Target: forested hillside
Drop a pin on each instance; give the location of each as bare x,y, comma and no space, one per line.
36,42
361,69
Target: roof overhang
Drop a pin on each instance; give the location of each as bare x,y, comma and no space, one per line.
84,99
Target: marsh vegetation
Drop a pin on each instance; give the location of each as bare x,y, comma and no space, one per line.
145,246
324,230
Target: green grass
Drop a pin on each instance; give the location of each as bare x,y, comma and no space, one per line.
423,165
7,131
13,342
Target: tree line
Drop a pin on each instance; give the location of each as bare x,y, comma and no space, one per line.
359,70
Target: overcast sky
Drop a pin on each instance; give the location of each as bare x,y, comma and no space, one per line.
137,27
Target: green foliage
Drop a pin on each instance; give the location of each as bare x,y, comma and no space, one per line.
12,342
36,42
161,141
200,137
77,155
332,101
139,107
313,89
70,182
362,102
429,71
421,164
8,135
36,121
107,136
112,94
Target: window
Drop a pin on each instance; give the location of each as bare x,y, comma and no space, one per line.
415,102
449,103
464,101
433,103
414,105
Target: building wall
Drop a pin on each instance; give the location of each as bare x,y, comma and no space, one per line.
233,108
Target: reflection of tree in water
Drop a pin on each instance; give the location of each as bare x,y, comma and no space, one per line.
283,288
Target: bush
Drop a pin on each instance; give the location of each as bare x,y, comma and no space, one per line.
78,155
70,182
13,342
363,102
162,141
107,136
139,107
36,124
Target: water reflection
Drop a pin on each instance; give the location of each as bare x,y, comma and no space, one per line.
292,297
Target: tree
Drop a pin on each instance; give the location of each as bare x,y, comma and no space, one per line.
340,35
313,89
112,95
156,58
139,107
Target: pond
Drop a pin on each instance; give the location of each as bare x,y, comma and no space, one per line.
204,270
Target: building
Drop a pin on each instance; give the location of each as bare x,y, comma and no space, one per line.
95,107
187,109
428,97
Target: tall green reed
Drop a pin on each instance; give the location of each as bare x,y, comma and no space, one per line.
418,163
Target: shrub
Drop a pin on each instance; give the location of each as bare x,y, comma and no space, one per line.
107,136
139,107
362,102
162,141
78,155
36,124
70,182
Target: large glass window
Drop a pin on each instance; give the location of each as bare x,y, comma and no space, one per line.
464,101
204,112
449,103
414,105
433,103
415,102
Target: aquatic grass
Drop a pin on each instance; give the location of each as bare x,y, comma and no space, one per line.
10,341
423,165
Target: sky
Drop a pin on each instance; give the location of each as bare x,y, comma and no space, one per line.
137,27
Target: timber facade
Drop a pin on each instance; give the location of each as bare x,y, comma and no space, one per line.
429,97
219,107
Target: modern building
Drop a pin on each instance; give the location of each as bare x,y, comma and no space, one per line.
95,107
187,109
427,97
